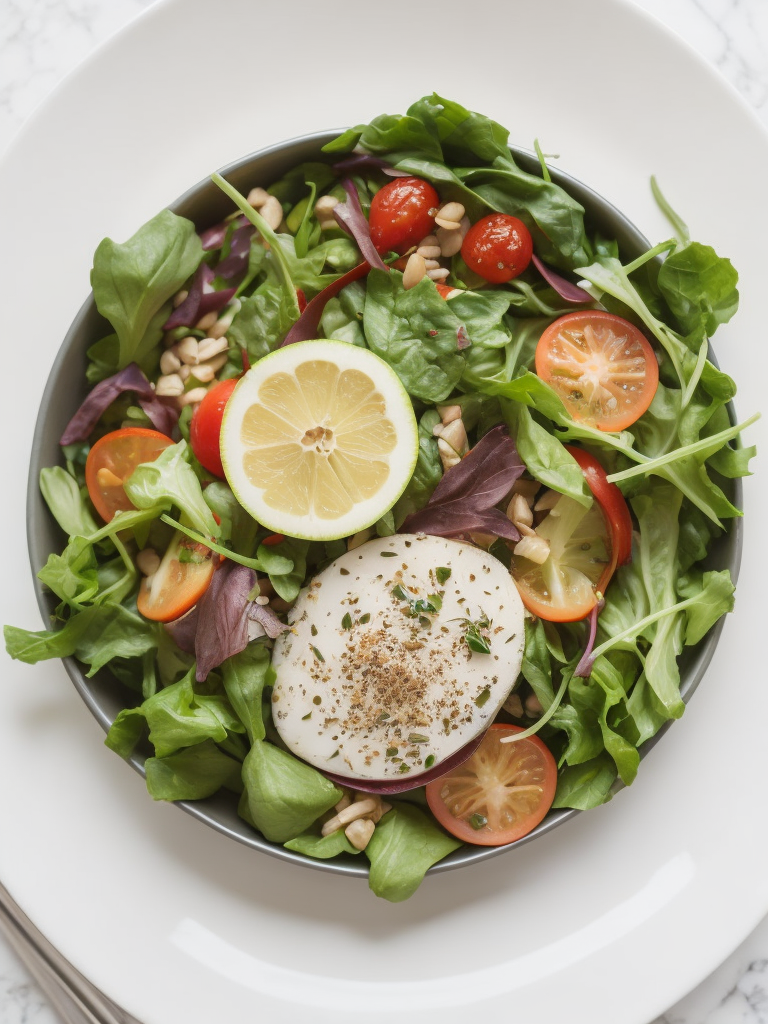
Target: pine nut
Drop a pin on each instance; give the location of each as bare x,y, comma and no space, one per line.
193,397
217,362
107,478
528,488
179,297
358,539
272,212
219,329
428,240
207,321
186,350
430,264
533,706
547,501
262,600
438,275
345,801
535,549
450,241
449,413
148,561
348,814
513,705
430,252
169,386
448,456
210,347
257,197
359,833
452,212
204,373
447,225
185,372
455,435
169,361
325,206
519,511
415,270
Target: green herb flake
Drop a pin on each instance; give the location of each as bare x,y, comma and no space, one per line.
346,622
343,572
429,760
305,717
482,698
364,618
334,754
442,575
316,653
313,629
388,554
478,821
404,768
391,751
474,639
418,737
399,594
383,716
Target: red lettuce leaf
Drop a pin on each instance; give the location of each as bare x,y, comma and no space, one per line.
236,261
351,219
214,238
184,630
360,163
222,623
464,500
306,327
202,299
565,289
267,619
163,416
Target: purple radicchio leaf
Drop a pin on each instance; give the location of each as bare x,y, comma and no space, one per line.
565,289
462,338
222,626
464,500
236,261
163,417
202,299
584,668
267,619
306,327
351,219
213,238
357,163
184,630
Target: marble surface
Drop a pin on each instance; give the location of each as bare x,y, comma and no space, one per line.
42,40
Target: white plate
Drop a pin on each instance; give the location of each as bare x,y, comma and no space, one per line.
615,915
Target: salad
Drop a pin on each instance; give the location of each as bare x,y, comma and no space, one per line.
392,497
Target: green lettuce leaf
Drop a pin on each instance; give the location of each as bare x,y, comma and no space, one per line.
403,846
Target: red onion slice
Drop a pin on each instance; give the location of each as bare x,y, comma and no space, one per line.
351,219
305,328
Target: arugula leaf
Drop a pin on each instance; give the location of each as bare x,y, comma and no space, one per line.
72,575
403,846
414,331
66,502
544,455
284,795
169,481
133,281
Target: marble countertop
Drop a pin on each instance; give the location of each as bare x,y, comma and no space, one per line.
41,40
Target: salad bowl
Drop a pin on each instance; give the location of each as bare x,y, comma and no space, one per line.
104,696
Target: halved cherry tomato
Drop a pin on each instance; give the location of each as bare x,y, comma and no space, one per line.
447,291
181,580
612,502
500,793
402,213
601,366
112,460
498,247
205,428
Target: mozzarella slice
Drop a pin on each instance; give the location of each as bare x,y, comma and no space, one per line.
376,678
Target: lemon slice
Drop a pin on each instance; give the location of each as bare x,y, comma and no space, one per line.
319,440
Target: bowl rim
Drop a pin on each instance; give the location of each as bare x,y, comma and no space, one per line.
692,668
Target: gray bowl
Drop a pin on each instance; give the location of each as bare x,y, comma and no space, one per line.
205,204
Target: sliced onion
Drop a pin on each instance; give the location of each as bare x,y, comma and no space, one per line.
565,289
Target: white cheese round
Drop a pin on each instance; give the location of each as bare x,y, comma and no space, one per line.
377,677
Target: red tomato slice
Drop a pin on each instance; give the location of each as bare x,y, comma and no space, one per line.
500,793
180,581
601,366
498,247
205,428
612,502
113,459
402,213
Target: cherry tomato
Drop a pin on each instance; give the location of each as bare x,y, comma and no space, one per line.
402,213
612,502
500,793
179,582
498,247
447,291
205,428
112,460
601,366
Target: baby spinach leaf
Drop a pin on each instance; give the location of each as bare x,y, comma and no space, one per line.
288,585
192,774
245,676
700,288
263,321
544,456
284,796
415,332
403,846
133,281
